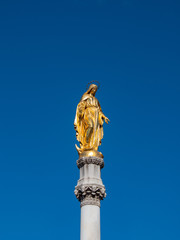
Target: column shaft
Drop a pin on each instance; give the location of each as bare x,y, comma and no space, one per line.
90,222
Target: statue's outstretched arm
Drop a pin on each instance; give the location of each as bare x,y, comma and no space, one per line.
105,118
102,116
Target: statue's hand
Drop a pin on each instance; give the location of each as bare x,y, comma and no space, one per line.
106,120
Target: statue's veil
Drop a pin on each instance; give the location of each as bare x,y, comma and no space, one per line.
86,94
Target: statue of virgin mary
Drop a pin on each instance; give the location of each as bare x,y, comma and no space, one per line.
89,121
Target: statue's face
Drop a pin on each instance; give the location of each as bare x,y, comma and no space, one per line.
93,90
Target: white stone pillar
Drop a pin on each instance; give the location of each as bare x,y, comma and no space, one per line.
89,191
90,222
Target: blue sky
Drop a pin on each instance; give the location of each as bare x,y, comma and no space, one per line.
49,51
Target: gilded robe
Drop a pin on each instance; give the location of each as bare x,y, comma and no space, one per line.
89,116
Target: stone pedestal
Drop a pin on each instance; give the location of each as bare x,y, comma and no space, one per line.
89,191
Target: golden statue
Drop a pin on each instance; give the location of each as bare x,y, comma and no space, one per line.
88,123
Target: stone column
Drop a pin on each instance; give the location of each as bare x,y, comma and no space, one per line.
89,191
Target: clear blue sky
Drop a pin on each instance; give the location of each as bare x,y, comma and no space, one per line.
49,51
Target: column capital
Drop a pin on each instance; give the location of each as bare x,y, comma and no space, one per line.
90,160
90,194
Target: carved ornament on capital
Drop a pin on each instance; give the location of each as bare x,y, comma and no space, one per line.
90,194
90,160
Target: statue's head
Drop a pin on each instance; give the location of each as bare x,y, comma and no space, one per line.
93,89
